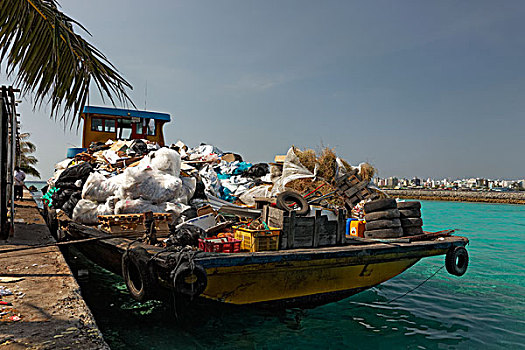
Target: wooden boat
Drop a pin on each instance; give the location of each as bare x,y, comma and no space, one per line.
294,277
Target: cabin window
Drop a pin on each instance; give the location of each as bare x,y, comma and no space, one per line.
97,124
124,129
151,127
139,127
109,125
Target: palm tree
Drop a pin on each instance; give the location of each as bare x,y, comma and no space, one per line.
25,159
46,56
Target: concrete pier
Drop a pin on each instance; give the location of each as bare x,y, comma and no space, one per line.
459,196
48,311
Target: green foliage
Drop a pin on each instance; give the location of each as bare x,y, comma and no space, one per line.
25,159
47,57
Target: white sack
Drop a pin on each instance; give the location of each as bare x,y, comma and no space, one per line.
292,170
149,184
87,212
164,160
132,206
99,188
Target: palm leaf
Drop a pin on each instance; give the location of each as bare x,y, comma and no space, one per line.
48,58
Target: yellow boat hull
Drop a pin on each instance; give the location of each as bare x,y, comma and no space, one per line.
273,281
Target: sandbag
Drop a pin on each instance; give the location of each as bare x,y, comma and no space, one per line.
149,184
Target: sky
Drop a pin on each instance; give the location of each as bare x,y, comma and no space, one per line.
416,88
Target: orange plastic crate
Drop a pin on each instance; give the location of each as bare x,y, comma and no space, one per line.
257,240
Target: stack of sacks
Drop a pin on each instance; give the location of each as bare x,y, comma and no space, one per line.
153,185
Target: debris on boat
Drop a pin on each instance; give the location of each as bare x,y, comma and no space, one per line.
203,221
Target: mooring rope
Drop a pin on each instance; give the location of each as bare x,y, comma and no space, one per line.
404,294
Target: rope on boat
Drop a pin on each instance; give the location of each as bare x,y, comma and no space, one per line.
406,293
416,287
57,244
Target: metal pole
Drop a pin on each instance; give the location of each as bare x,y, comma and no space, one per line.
4,228
13,159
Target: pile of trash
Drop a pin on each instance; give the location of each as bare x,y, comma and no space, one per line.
125,177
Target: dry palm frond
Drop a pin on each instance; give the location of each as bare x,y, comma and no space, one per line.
327,163
48,58
307,158
366,171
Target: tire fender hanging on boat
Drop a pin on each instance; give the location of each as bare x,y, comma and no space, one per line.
189,279
456,260
138,275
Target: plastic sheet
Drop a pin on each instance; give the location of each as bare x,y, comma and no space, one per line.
189,184
248,197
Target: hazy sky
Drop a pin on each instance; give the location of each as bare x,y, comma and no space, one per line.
426,88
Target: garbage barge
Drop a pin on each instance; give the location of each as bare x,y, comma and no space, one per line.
202,223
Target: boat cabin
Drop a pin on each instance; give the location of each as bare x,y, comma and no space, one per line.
103,123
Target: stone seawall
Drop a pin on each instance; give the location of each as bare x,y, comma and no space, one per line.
460,196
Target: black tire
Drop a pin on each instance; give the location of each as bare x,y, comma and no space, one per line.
188,281
380,224
385,233
380,205
411,222
409,205
139,278
409,213
288,197
456,261
383,215
412,231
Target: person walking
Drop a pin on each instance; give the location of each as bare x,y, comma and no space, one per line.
20,176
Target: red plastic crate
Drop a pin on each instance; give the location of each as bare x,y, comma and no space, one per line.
220,245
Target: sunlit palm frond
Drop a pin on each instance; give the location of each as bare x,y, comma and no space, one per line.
47,57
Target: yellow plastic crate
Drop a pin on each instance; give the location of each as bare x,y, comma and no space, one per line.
257,240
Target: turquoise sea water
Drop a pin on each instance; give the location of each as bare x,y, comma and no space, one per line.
484,309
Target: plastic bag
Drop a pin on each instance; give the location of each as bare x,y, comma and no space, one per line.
87,212
292,170
149,184
189,184
76,172
257,170
99,188
248,197
132,206
164,160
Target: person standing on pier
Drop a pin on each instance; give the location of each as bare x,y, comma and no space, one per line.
20,176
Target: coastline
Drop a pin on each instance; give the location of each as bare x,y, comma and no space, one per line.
459,196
